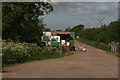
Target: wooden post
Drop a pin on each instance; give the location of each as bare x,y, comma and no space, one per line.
118,48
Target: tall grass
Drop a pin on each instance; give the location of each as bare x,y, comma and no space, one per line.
95,44
14,53
102,46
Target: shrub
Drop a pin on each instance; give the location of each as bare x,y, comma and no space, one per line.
14,53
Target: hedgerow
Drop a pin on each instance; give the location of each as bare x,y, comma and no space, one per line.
14,53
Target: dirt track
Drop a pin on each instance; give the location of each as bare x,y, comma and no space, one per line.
94,63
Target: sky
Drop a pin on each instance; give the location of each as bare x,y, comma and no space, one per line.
60,0
70,14
85,0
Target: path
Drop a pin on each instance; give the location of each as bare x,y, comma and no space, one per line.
94,63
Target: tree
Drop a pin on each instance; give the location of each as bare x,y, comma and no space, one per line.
59,30
104,34
20,20
77,29
100,20
68,29
47,29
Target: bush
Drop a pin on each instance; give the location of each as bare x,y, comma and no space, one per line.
14,53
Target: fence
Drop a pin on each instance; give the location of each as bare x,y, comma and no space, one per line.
115,46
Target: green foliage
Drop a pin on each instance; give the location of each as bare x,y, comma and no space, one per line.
47,29
20,20
58,30
14,53
104,34
102,46
96,44
98,37
76,29
113,53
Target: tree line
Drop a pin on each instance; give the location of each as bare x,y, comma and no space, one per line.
21,22
104,34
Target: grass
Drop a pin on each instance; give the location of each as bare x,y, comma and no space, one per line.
102,46
16,53
113,53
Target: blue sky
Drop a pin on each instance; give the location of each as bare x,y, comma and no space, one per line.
69,14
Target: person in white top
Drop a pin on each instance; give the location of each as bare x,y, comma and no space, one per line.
84,49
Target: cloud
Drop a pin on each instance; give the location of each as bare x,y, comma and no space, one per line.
75,13
85,8
102,8
60,0
85,0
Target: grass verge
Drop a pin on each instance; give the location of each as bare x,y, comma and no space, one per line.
102,46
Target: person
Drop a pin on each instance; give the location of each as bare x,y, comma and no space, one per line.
77,37
84,49
80,48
